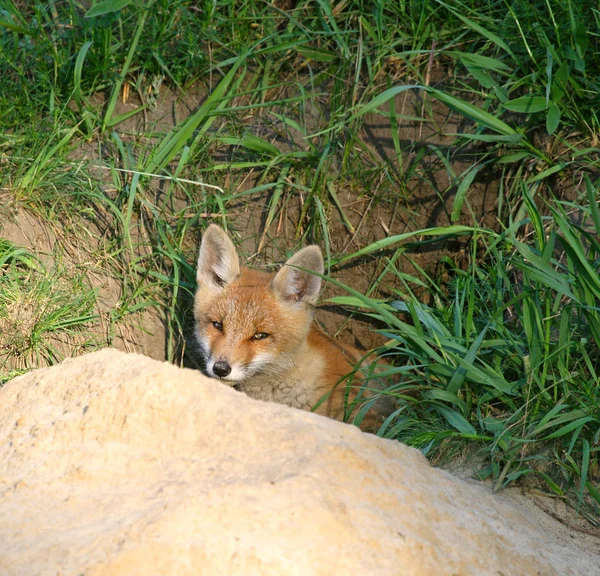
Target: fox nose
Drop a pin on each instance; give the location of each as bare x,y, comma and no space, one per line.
221,368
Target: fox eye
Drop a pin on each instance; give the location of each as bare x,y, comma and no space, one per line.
260,336
218,326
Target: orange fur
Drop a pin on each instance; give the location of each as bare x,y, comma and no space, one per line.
256,331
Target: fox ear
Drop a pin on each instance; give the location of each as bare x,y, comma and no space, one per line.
218,262
296,285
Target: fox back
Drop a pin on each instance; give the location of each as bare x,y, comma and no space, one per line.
256,331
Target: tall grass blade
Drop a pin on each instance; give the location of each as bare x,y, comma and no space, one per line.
179,137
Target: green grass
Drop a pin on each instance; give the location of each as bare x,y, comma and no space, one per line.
494,345
506,360
45,314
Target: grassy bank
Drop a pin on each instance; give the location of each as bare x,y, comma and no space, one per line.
448,148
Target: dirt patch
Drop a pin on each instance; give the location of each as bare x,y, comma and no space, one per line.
24,229
415,189
45,292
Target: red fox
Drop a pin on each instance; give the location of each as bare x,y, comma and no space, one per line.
256,332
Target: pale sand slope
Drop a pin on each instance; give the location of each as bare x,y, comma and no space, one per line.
116,464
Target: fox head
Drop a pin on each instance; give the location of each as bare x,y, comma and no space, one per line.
249,322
